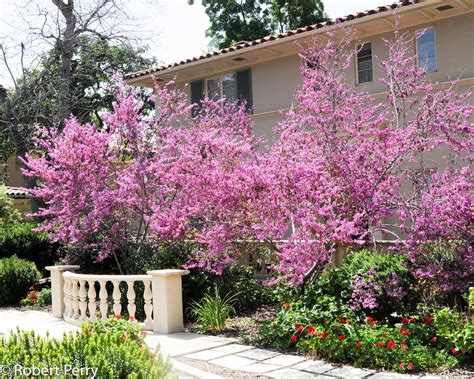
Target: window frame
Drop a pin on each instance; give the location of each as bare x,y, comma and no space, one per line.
357,45
221,83
417,32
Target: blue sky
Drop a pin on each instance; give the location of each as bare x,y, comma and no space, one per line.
174,30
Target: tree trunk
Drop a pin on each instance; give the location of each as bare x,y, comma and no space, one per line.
66,51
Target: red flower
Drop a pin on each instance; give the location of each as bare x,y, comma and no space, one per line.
300,329
403,345
428,320
293,338
286,305
373,323
296,325
341,337
358,344
118,317
411,366
402,365
324,335
455,351
341,321
405,332
131,318
405,320
391,344
369,319
311,329
379,344
434,340
384,335
143,334
412,319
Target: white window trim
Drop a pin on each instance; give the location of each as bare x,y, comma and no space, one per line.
357,63
417,32
221,87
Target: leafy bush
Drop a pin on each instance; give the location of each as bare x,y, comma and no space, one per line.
19,239
37,298
213,311
235,278
8,214
106,347
16,276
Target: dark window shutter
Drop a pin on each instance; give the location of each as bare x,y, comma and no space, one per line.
244,87
197,93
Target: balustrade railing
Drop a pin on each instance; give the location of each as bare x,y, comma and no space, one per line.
78,297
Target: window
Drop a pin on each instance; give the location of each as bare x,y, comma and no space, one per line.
426,49
233,86
364,63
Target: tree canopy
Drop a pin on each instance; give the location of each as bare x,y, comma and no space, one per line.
247,20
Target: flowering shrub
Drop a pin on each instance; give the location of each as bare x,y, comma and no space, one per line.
419,342
37,298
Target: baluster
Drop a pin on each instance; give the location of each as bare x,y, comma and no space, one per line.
116,296
103,295
75,299
83,299
67,298
147,296
92,303
131,299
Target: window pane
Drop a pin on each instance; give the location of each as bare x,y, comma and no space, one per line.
364,63
229,87
426,47
214,88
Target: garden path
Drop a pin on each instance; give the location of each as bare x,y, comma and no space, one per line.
199,356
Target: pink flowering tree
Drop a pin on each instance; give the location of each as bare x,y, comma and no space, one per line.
346,163
144,179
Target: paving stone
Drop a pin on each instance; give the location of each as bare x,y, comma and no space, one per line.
233,362
233,348
315,367
206,355
289,373
258,354
392,375
284,360
350,372
260,368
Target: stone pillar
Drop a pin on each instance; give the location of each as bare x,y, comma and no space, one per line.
57,287
167,300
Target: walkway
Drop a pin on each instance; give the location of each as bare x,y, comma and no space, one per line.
200,356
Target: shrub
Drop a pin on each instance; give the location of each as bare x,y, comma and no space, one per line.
104,347
213,311
16,276
19,239
235,278
37,298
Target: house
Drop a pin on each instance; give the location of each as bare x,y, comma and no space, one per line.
265,72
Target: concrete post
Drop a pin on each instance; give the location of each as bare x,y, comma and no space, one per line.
167,300
57,287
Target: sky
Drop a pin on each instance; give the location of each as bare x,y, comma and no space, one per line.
173,29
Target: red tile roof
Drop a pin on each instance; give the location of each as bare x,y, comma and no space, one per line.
274,37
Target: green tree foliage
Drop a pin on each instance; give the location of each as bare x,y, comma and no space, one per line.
247,20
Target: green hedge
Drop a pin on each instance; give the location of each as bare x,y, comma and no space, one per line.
19,239
16,276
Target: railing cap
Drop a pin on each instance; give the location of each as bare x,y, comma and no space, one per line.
63,268
168,272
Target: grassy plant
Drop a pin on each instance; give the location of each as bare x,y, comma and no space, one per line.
213,311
